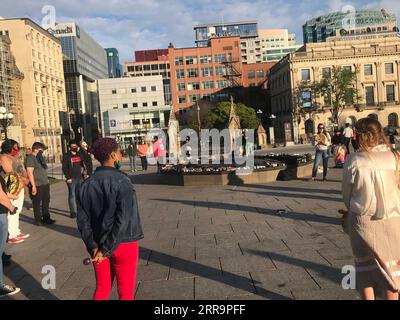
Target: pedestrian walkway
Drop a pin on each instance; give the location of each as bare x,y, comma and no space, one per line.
205,243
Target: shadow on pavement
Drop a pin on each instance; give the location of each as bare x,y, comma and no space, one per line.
294,189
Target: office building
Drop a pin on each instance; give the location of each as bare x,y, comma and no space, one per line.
348,23
374,58
115,69
38,56
85,61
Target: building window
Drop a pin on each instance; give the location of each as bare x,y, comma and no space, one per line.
114,91
369,96
153,88
191,60
260,74
326,72
222,84
368,70
180,73
133,90
347,68
220,57
389,69
144,104
220,71
147,67
207,72
193,86
179,61
393,120
154,67
193,73
205,59
154,103
251,75
207,85
144,89
125,106
181,99
390,95
181,86
193,98
135,105
305,74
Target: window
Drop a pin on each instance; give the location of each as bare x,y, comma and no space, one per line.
114,91
153,88
145,104
146,67
390,95
220,57
125,106
393,120
251,74
191,60
306,97
154,67
193,86
133,90
207,72
138,68
220,71
222,84
347,68
326,72
305,74
260,74
205,59
180,73
181,99
135,122
369,96
154,103
389,69
144,89
179,61
192,73
368,70
181,86
193,98
135,105
207,85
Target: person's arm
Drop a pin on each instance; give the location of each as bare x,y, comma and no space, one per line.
5,201
126,200
65,167
349,174
30,167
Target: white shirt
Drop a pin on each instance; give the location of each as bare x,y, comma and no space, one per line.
348,132
370,184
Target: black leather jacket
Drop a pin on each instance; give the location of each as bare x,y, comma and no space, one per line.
108,213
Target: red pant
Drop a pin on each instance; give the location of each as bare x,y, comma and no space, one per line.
122,264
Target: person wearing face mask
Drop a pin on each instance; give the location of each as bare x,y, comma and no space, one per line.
73,166
39,186
109,222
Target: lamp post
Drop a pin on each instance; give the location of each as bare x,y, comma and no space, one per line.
5,120
272,130
259,113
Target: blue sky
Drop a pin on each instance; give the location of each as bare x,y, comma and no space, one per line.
130,25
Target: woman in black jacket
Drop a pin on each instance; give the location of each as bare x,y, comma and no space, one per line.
109,223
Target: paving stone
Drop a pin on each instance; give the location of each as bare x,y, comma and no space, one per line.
179,289
246,263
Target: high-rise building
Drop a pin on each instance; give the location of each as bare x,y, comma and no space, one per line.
38,56
131,106
84,62
152,63
115,69
348,23
243,29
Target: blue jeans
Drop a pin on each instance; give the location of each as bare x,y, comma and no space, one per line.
321,155
72,196
3,240
132,161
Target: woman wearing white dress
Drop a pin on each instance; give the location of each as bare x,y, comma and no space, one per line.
371,194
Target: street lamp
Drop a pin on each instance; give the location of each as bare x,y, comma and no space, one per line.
5,120
259,113
272,130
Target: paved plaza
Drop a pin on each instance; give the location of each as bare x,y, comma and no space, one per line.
205,243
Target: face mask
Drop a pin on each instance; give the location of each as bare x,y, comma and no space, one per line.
117,165
14,152
74,149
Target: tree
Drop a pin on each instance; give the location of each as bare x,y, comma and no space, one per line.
218,117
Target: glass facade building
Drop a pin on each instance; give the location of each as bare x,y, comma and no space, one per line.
350,23
114,66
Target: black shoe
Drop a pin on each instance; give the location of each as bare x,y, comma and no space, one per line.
6,263
39,223
7,291
73,215
49,221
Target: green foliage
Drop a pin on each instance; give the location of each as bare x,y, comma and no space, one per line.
218,117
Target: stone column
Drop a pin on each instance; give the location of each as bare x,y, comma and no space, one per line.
379,84
398,80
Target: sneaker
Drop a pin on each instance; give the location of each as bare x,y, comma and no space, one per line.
7,291
49,221
15,240
24,236
39,223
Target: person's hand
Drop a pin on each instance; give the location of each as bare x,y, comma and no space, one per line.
69,181
26,181
34,191
97,256
13,210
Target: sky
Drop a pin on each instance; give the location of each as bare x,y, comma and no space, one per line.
130,25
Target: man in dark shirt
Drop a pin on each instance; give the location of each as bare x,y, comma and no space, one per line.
74,170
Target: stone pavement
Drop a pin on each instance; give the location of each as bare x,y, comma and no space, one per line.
205,243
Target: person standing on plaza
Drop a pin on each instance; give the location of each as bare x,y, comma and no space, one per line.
87,158
18,179
109,222
159,152
6,207
143,148
39,185
132,153
74,170
322,142
371,194
348,135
